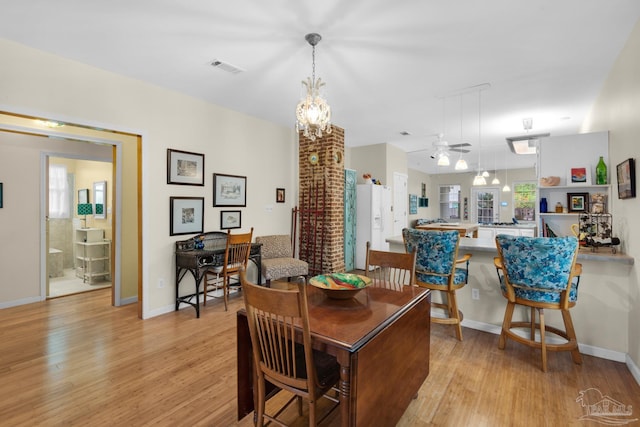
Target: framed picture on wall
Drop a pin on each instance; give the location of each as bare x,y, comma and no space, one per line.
1,195
185,168
279,195
626,172
230,219
229,190
186,215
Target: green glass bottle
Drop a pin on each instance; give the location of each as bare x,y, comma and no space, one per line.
601,172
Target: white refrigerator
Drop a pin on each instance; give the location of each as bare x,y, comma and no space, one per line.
374,220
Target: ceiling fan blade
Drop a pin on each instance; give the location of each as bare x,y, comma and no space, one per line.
464,144
459,150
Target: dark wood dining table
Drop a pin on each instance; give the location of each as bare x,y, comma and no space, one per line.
381,341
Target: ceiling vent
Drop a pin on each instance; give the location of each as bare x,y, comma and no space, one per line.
525,144
225,66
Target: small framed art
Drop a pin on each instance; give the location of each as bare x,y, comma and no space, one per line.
579,176
186,215
230,219
578,202
626,172
229,190
1,195
185,168
279,195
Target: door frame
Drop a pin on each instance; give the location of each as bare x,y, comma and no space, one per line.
400,202
474,202
44,216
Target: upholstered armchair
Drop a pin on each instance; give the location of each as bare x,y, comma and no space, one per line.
539,272
277,258
437,269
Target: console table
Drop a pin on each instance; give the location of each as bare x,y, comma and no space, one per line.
199,261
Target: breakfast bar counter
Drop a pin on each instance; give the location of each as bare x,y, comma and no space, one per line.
601,314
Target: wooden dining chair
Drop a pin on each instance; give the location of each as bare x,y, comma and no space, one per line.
539,273
395,269
275,318
236,255
437,268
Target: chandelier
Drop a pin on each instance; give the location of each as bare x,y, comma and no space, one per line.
313,114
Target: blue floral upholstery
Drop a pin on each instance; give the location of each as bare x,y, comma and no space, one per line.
436,260
538,268
540,273
436,256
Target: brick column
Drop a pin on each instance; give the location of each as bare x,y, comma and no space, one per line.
321,202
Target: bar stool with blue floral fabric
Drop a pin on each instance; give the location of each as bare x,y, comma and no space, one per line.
437,269
539,272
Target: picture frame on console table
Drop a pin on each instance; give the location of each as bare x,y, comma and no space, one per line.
185,168
229,190
578,202
186,215
626,172
230,219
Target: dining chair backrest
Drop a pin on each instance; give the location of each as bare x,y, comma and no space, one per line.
237,252
436,252
278,318
540,267
395,268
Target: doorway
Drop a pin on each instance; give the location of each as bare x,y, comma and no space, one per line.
400,202
79,231
485,204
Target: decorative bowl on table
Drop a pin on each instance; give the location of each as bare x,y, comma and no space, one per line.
340,285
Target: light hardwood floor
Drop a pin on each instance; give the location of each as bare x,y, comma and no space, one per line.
78,361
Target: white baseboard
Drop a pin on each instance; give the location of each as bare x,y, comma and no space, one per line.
22,301
590,350
635,371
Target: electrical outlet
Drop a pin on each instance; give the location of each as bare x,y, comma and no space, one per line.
160,283
475,293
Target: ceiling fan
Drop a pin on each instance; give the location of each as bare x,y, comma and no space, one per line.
440,147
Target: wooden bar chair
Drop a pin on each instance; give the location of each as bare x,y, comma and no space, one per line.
277,319
539,272
437,269
395,269
236,255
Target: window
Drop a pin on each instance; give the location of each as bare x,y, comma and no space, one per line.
524,199
59,200
450,201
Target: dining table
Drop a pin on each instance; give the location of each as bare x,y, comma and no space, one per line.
381,340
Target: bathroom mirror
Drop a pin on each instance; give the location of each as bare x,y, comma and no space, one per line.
100,199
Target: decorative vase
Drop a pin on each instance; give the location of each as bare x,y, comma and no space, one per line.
601,172
543,205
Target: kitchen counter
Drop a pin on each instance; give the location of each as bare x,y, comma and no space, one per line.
600,316
481,244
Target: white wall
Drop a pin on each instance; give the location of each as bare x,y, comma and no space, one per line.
44,85
616,110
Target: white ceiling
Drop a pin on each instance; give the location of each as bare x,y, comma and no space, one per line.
390,66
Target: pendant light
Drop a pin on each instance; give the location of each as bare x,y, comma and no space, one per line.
495,181
461,164
479,179
313,114
506,187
